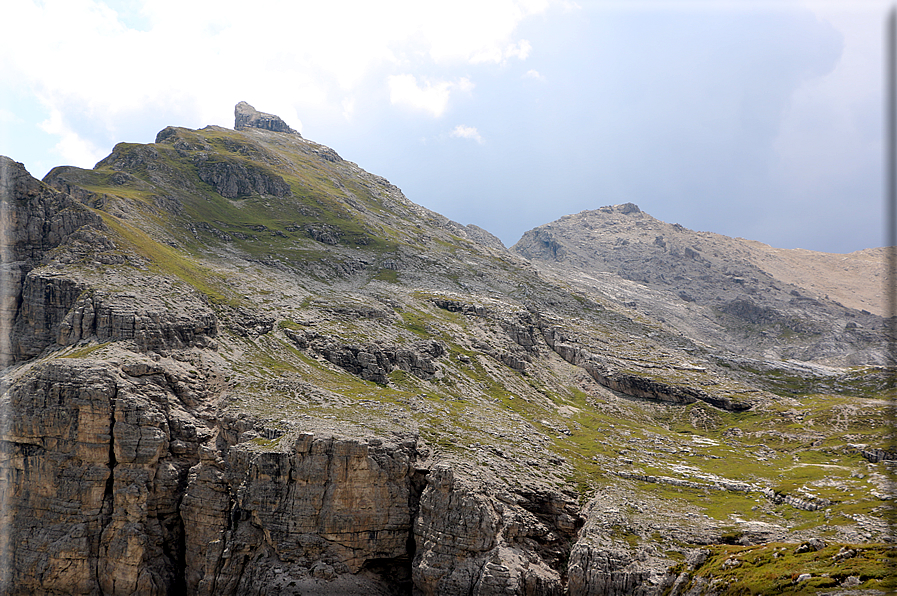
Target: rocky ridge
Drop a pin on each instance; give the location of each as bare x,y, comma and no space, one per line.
239,364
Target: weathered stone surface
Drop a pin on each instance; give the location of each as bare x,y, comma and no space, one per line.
136,498
110,454
232,179
37,220
601,566
56,310
373,362
326,233
246,116
46,300
341,502
57,478
471,543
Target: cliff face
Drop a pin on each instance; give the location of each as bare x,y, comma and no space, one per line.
37,219
120,484
238,364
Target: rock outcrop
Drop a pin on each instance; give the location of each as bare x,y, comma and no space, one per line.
140,494
471,542
232,179
373,362
246,116
39,224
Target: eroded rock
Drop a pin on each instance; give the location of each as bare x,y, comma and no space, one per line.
246,116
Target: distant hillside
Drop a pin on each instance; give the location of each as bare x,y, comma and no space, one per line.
733,293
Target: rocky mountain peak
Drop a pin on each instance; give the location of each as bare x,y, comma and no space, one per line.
752,297
15,180
246,116
627,208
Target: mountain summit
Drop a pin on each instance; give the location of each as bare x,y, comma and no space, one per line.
246,116
240,364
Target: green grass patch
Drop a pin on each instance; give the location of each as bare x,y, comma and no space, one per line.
775,568
84,351
388,275
266,443
168,261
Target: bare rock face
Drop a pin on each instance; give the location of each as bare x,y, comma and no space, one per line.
110,450
38,220
61,444
373,362
470,542
327,508
138,495
57,310
233,179
247,116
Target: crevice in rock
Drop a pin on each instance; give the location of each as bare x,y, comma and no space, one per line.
178,554
564,519
416,489
109,489
396,573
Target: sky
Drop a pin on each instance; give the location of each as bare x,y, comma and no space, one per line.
750,118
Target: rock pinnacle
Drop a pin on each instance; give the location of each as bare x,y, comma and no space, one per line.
246,116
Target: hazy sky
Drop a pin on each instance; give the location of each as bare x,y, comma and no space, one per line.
748,118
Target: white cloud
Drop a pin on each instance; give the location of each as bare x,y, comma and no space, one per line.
475,30
519,50
348,108
8,117
433,97
71,147
106,64
467,132
534,74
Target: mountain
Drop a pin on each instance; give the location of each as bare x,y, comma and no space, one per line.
744,296
239,364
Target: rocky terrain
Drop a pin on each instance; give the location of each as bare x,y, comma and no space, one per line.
724,291
236,363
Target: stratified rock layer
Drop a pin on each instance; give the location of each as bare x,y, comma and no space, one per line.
139,494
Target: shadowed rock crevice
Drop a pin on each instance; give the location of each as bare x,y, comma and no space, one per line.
108,507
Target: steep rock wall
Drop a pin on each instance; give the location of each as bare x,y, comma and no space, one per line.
476,541
115,483
36,220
